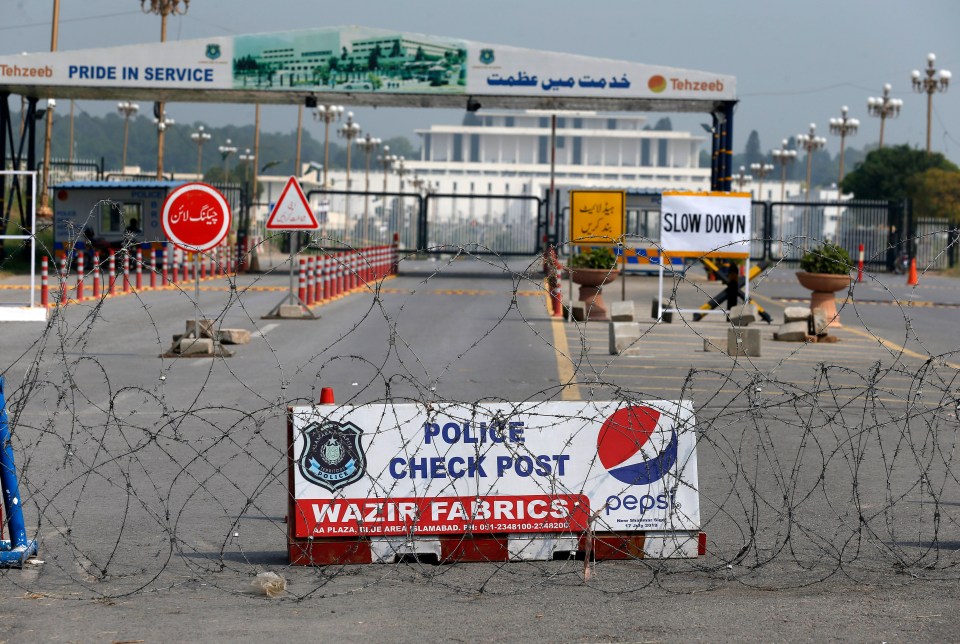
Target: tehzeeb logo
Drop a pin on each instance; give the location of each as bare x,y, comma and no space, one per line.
620,441
332,455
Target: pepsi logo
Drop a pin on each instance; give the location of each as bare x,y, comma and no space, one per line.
620,441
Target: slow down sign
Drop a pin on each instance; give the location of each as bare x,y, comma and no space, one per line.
706,223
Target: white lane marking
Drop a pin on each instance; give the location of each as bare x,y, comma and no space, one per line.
267,328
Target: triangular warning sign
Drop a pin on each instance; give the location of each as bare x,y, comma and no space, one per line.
292,212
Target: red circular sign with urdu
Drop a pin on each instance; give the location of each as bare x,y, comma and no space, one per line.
196,217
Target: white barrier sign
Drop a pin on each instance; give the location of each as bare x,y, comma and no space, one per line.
494,468
698,223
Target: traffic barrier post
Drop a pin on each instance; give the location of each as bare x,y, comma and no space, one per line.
126,270
44,282
303,280
96,276
63,279
860,264
80,268
318,279
153,268
395,254
310,281
139,269
112,273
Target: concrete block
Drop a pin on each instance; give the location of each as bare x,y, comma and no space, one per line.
796,314
624,337
818,322
579,310
622,311
743,341
711,344
233,336
745,315
206,328
667,315
194,346
291,311
792,332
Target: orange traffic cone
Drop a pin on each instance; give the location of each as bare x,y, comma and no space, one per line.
912,275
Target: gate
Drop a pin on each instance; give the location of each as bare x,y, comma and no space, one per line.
783,230
497,224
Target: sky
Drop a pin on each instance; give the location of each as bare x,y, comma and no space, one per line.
796,63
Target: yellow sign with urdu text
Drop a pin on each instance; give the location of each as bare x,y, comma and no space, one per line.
597,216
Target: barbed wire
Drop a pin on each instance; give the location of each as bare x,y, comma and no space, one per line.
140,472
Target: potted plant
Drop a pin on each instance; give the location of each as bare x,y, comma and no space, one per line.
825,270
591,269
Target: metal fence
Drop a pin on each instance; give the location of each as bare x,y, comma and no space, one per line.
501,224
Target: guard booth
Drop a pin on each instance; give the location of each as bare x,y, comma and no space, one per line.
111,212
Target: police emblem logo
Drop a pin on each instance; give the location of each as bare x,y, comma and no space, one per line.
213,51
332,455
486,56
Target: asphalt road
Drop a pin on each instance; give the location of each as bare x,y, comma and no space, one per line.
157,486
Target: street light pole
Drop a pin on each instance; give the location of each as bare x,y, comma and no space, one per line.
929,85
811,143
327,114
368,144
843,127
349,131
225,151
247,158
884,107
48,133
164,8
162,125
200,137
784,157
760,171
401,170
127,109
386,160
742,178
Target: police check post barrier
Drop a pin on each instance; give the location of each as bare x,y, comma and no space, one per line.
704,224
534,477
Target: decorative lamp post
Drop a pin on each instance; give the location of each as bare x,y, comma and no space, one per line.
247,158
162,125
884,107
368,145
843,127
929,84
327,114
225,151
784,157
163,8
200,137
401,170
760,171
386,162
349,131
126,109
811,143
742,178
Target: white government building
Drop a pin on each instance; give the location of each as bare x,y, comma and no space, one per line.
501,152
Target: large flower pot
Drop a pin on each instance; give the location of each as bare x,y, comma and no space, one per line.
824,285
591,281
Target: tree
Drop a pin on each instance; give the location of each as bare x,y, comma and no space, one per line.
936,194
885,173
752,152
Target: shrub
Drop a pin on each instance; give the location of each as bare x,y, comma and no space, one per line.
602,258
826,259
